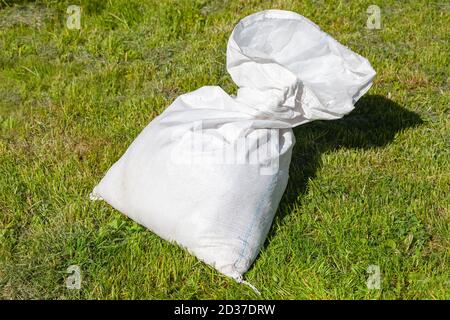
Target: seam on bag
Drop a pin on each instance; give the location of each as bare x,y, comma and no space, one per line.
252,224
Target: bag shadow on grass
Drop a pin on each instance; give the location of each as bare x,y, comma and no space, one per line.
372,124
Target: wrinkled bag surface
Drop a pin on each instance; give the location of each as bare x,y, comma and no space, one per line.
209,172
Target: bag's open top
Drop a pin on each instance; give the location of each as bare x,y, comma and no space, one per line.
273,53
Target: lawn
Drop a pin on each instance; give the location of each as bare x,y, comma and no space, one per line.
369,189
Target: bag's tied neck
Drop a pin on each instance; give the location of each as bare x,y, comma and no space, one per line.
278,101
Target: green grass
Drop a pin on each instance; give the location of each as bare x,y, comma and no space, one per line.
369,189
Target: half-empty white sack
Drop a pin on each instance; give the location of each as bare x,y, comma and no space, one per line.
209,172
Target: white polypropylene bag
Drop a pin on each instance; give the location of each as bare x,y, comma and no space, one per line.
209,172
